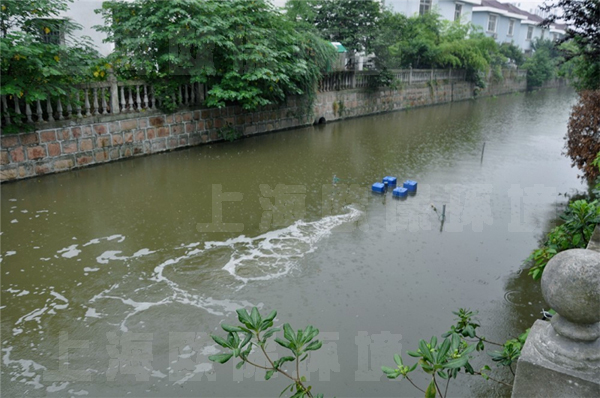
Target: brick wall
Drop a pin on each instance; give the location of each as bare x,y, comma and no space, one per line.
55,150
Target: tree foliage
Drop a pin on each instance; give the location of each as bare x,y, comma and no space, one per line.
583,134
583,30
33,67
243,51
350,22
541,66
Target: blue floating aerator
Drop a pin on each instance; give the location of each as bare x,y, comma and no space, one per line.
378,187
400,192
392,181
410,185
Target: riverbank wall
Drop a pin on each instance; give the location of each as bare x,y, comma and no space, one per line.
57,147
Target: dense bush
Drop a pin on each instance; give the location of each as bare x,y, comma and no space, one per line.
244,51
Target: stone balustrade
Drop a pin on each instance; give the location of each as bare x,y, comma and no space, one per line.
561,358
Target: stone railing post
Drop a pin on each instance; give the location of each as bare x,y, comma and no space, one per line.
561,358
410,75
114,93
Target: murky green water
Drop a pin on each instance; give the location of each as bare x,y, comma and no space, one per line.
128,264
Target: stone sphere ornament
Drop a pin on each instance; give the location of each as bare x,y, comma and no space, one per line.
571,286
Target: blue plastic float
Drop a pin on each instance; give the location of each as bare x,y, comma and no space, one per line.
410,185
392,181
400,192
378,187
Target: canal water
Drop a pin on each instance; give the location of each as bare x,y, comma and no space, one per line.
113,277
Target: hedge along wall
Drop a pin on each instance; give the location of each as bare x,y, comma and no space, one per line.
111,138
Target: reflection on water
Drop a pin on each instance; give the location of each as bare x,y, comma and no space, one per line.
114,266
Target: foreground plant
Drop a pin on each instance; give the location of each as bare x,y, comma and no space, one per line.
452,357
254,332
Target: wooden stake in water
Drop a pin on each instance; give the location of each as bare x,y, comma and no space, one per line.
482,151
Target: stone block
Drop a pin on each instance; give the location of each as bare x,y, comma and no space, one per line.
101,155
47,135
63,134
86,144
115,153
64,164
85,158
159,145
117,139
128,138
102,142
140,136
8,174
25,170
36,152
10,141
17,154
42,168
30,139
537,376
172,143
4,157
100,129
175,129
129,124
162,132
54,149
156,121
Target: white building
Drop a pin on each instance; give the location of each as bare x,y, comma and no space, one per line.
82,12
452,10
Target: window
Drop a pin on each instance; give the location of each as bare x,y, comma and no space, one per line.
457,11
511,27
530,33
543,33
51,30
492,23
424,7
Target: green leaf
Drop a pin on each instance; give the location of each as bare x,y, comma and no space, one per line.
230,328
283,343
425,350
244,318
270,333
220,341
220,358
269,374
239,365
456,363
414,354
431,392
255,317
315,345
288,332
398,359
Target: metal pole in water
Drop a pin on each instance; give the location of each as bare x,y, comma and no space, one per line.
443,213
482,151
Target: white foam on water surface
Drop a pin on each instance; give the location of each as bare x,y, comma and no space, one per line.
69,252
272,254
57,387
26,370
80,392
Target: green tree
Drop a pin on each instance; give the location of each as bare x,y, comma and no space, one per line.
541,66
583,26
244,51
350,22
40,57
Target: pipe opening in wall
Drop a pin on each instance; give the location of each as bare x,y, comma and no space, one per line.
322,120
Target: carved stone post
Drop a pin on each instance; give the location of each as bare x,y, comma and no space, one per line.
114,93
561,358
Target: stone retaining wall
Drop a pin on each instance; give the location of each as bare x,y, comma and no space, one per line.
55,150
